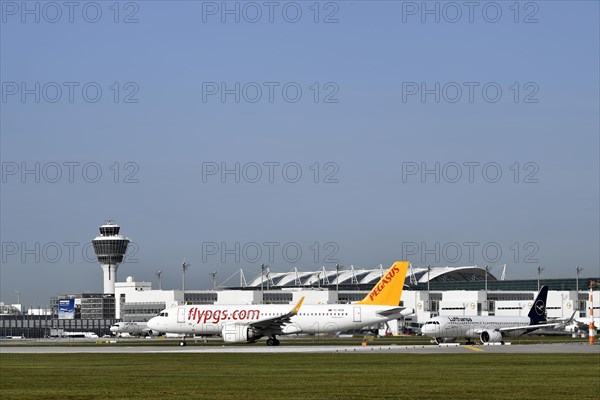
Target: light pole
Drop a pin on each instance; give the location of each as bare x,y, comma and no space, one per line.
159,276
337,282
262,280
540,270
487,302
184,267
319,280
428,294
487,270
578,273
214,279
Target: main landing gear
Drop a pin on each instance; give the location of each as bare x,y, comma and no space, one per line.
182,343
272,341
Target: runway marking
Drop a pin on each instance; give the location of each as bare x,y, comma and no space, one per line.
474,348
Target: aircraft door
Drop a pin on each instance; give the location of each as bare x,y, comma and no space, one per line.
181,315
356,315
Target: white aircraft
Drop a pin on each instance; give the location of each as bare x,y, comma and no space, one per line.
581,325
247,323
490,329
130,329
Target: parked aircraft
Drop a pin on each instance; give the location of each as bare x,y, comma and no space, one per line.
247,323
490,329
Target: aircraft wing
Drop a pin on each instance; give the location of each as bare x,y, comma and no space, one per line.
529,327
547,324
396,310
275,324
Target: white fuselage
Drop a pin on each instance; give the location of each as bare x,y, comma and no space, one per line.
131,328
311,319
471,327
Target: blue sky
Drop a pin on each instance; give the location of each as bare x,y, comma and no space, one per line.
363,210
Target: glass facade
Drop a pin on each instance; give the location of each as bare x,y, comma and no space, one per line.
109,230
140,312
110,251
43,326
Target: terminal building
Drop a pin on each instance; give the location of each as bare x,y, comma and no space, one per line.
429,291
456,291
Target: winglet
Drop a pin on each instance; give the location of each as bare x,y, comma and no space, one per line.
389,288
297,308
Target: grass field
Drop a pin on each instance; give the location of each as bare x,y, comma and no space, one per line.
299,376
287,341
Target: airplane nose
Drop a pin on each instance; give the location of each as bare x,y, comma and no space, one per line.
152,324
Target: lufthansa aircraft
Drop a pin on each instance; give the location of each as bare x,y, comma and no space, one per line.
247,323
489,329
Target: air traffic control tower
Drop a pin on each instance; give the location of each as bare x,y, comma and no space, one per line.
110,247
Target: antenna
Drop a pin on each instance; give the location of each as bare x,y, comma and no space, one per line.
214,279
18,292
159,276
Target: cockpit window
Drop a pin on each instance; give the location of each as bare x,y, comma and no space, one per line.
163,314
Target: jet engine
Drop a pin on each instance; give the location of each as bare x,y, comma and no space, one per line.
407,311
490,337
235,333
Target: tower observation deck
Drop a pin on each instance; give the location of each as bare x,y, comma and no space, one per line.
110,247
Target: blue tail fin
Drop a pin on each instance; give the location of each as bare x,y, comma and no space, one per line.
537,313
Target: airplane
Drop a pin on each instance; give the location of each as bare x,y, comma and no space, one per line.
130,329
490,329
248,323
580,325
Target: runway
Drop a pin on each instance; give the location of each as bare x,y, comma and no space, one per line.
419,349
